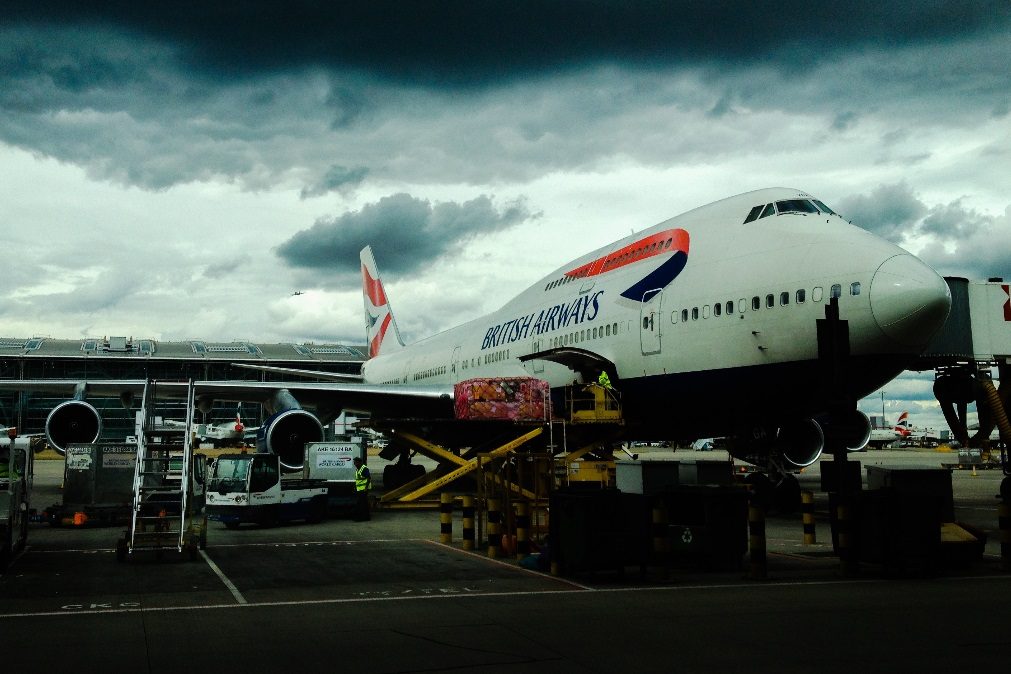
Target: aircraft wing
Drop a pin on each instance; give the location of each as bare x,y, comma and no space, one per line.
295,372
433,401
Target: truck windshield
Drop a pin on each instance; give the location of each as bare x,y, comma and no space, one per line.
229,474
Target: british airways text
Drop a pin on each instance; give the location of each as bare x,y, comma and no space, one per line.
559,316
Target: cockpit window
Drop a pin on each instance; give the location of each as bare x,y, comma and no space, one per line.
753,215
769,210
796,206
823,208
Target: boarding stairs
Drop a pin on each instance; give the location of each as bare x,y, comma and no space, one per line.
162,518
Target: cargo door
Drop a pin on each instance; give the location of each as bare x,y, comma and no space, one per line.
649,321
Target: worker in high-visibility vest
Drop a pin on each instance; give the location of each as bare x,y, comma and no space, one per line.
604,380
363,483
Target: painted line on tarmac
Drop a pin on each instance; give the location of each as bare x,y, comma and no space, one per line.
224,579
504,563
524,593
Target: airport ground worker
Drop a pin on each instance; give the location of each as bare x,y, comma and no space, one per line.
363,484
604,380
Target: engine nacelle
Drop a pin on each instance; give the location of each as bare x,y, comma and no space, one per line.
800,443
72,421
853,429
286,433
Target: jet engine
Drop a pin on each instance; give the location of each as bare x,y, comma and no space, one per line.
798,444
72,421
286,433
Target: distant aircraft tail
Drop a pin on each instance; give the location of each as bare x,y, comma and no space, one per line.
380,327
902,425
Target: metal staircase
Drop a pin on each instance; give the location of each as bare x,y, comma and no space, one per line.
162,518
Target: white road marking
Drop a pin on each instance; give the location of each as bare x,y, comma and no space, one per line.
224,579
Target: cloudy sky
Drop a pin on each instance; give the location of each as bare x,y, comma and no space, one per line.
178,173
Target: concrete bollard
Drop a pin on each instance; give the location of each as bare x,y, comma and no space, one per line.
494,529
756,543
844,536
446,518
468,522
661,542
807,510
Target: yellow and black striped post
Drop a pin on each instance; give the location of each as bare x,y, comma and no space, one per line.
807,513
661,542
1004,524
446,518
522,529
494,530
756,542
468,522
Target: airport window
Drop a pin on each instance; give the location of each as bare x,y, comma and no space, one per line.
784,298
817,294
756,303
836,291
769,210
684,315
855,288
705,311
770,301
695,313
800,296
717,309
730,307
823,208
795,206
753,215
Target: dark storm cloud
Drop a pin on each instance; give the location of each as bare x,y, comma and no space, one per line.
890,211
405,233
336,179
471,41
954,221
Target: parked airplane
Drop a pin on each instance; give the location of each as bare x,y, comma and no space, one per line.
222,434
706,323
910,432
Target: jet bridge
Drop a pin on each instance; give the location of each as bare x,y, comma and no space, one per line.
974,341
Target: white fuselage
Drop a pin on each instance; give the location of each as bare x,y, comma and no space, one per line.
733,332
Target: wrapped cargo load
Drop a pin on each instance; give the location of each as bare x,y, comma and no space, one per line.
508,399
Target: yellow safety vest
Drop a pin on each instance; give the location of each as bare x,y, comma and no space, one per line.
604,380
363,478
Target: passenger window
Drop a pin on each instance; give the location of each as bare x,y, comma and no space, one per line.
836,290
800,296
742,305
607,330
855,288
684,315
756,303
705,311
717,309
614,330
770,301
784,298
730,307
695,313
817,294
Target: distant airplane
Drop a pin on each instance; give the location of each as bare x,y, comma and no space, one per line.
223,434
910,432
706,324
297,293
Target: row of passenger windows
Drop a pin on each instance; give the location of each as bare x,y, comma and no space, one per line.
584,335
429,373
784,298
655,247
787,206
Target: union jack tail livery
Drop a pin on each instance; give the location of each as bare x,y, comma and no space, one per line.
380,327
902,425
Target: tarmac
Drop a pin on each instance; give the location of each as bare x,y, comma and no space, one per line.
386,596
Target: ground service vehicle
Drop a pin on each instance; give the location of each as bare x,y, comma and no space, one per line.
15,497
249,488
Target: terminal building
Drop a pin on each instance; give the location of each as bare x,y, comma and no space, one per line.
131,358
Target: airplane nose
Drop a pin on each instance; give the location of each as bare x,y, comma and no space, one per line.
909,300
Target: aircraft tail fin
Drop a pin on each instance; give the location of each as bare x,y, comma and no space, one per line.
380,327
902,424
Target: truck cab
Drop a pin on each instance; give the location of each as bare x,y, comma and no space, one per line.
249,488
